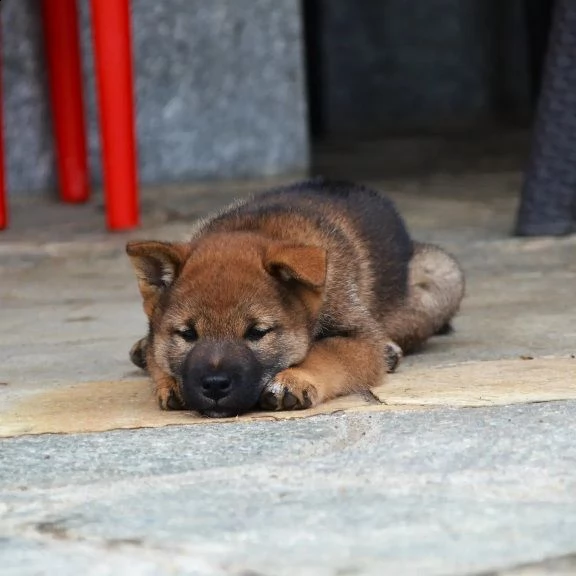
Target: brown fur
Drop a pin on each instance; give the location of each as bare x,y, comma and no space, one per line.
295,297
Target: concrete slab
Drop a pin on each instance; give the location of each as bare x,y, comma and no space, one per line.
443,491
563,566
440,492
103,406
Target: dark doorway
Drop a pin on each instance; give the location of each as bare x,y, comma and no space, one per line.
381,69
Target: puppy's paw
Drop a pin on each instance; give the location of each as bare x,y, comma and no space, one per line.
168,399
445,330
289,390
392,356
138,353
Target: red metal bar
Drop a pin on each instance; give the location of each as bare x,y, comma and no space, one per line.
60,23
112,46
3,202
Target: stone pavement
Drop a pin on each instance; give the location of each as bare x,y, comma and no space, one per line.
440,491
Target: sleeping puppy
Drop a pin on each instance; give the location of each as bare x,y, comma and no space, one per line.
296,296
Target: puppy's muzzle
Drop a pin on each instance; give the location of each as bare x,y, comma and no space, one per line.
221,379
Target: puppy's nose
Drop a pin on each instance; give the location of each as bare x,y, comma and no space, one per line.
216,386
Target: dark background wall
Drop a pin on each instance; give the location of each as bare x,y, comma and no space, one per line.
381,66
219,91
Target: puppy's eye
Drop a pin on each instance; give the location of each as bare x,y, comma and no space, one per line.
255,333
189,334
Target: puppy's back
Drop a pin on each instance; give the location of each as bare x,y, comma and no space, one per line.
365,236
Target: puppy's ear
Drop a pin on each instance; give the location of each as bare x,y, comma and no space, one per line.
304,264
157,265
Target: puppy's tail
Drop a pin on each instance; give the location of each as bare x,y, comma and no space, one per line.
435,290
436,285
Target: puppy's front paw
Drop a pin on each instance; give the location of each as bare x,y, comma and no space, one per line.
138,353
168,399
289,390
392,356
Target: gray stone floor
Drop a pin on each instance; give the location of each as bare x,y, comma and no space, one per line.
445,491
441,492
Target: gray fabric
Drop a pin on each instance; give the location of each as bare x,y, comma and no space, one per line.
548,203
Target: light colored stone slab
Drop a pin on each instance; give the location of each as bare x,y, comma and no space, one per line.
101,406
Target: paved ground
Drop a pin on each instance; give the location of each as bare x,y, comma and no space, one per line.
464,491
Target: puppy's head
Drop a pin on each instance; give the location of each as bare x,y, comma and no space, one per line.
228,312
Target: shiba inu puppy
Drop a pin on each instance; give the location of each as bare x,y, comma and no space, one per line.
298,295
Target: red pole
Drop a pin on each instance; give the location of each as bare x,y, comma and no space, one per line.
60,23
112,48
3,203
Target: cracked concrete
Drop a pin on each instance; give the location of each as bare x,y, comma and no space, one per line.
436,491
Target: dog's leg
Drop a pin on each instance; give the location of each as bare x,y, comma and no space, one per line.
167,392
138,353
436,288
333,367
165,387
392,356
